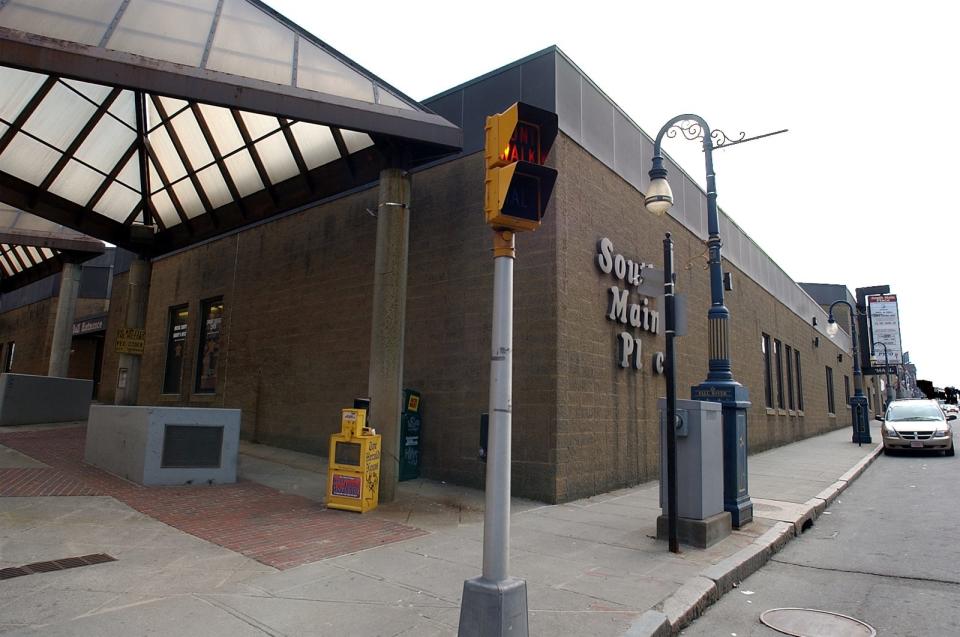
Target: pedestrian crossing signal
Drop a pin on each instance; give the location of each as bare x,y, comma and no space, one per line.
518,185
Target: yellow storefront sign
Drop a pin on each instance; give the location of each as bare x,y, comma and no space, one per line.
130,340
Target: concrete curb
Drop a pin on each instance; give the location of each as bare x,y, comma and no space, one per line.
692,599
830,494
859,468
652,623
727,573
689,601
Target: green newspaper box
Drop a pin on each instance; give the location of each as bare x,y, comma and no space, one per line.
410,436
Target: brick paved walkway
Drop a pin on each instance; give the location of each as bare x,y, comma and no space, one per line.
274,528
34,482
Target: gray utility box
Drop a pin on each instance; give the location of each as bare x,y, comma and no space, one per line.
28,400
164,445
699,459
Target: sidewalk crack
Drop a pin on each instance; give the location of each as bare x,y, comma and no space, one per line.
931,580
250,621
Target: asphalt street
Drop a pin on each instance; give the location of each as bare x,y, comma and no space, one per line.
886,553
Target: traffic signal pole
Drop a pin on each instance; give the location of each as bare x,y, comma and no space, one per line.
517,187
496,523
495,604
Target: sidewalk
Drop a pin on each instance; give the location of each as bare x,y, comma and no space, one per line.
264,557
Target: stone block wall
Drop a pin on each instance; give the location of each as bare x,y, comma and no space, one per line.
607,419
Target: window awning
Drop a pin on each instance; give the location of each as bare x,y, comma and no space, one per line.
193,117
32,248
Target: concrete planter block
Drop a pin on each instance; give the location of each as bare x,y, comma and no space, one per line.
164,445
28,400
701,534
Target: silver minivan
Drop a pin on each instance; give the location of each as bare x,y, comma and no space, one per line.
916,425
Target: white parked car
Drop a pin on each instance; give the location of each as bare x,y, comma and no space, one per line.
917,425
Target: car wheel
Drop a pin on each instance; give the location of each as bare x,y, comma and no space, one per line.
952,451
886,451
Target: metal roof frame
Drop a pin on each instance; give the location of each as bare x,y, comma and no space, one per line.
161,179
28,256
37,53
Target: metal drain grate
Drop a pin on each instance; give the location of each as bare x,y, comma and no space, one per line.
55,565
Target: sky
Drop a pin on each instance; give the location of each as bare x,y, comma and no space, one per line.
860,191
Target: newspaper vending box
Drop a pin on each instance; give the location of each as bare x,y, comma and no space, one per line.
353,477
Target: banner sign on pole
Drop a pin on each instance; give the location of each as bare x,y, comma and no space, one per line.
884,328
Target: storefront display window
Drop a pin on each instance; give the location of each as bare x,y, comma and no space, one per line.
778,358
789,360
8,356
176,342
830,405
209,351
767,385
799,382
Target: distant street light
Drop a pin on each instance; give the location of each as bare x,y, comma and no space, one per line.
886,370
858,403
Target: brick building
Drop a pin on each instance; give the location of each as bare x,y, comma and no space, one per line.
274,317
26,323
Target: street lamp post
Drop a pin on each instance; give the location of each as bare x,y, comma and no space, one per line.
858,402
886,370
719,385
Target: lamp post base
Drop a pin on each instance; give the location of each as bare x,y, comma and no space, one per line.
494,609
861,420
740,510
735,400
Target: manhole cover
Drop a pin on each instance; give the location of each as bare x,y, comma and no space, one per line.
809,622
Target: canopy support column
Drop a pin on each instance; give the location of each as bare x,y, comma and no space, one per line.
59,364
138,290
389,318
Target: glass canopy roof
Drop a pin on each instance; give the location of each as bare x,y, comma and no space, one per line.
189,116
32,248
233,36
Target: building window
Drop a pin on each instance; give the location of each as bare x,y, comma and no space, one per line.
799,382
176,342
8,356
778,359
211,317
830,405
767,385
846,388
789,359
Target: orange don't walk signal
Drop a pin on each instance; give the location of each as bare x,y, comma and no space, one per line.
518,186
